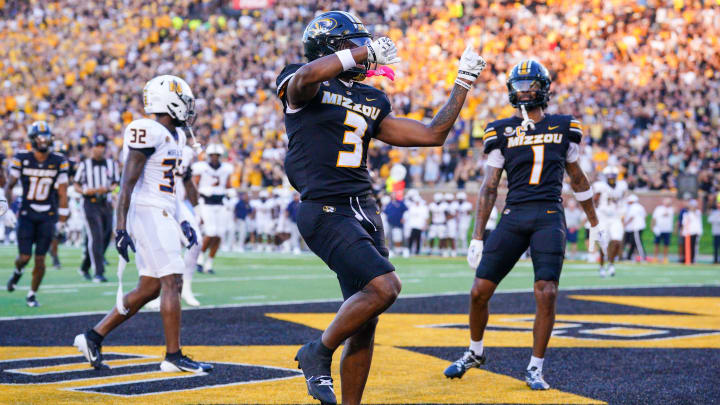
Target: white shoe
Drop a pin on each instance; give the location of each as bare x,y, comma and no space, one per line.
611,270
602,272
189,298
153,305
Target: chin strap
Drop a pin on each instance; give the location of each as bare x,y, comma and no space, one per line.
527,122
196,145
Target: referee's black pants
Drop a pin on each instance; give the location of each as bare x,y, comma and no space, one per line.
634,239
98,230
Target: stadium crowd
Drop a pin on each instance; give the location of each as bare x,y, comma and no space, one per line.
642,75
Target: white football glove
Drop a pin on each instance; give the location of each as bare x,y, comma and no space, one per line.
598,236
474,253
3,206
61,227
471,64
383,51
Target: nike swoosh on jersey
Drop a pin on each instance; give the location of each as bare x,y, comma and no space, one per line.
551,128
370,99
551,211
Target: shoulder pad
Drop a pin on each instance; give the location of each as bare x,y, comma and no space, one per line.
144,133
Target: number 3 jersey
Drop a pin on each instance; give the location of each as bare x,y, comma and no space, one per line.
534,159
329,136
156,185
39,181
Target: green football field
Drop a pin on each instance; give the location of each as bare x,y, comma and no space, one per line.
252,278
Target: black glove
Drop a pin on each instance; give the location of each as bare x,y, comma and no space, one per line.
122,241
189,233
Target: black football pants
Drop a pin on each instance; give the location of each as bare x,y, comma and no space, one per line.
98,230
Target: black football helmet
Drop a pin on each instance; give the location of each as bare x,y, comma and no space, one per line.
40,136
529,75
334,31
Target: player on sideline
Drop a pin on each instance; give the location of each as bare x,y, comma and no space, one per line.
330,119
535,149
44,178
152,150
213,182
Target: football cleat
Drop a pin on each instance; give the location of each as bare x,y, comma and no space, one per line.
534,379
189,298
32,302
99,279
184,363
602,272
14,278
463,364
611,270
317,374
199,268
56,263
91,351
86,275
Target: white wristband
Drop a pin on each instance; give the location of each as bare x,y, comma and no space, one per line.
346,58
584,195
64,211
462,83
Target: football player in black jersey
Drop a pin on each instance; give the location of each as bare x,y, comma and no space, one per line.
44,178
535,149
330,118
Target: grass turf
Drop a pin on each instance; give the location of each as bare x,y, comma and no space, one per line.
273,278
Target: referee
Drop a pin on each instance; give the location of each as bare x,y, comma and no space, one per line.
95,178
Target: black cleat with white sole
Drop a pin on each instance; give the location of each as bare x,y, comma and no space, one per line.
316,369
173,364
91,351
14,278
32,301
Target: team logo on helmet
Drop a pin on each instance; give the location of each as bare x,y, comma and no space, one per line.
322,26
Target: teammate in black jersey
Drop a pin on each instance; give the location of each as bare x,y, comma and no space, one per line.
44,179
330,119
535,149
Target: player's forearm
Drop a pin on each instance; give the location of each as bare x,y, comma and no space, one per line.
9,187
445,118
191,192
486,201
326,68
64,211
580,185
134,166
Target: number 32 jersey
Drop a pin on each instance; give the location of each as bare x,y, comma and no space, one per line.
534,159
156,185
329,137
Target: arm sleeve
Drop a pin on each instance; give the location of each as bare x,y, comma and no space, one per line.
284,77
62,177
575,131
573,153
496,159
490,139
15,167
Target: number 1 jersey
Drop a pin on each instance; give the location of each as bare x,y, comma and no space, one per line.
156,185
329,136
534,159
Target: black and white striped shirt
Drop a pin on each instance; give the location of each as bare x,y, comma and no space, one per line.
93,173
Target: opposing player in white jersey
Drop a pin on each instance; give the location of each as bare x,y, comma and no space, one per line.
451,212
213,182
264,224
464,217
146,221
438,228
609,199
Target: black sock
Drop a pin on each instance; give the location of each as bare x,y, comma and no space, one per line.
322,349
174,356
94,337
